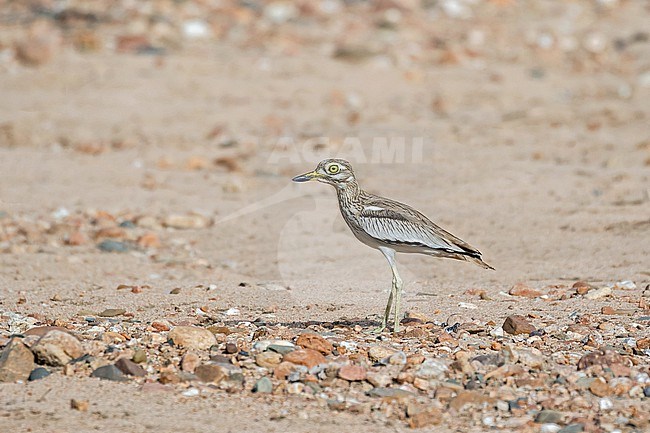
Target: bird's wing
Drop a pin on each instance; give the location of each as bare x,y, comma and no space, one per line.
395,222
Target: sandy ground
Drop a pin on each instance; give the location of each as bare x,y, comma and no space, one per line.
548,177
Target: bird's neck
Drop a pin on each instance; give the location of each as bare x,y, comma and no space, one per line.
349,190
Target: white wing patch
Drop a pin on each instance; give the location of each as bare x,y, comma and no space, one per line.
403,231
372,208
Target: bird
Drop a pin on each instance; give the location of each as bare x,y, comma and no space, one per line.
389,226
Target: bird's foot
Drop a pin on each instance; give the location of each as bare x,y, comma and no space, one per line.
376,331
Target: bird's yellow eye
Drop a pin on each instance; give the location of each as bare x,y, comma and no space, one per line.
333,169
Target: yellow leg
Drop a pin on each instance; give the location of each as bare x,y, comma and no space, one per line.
395,290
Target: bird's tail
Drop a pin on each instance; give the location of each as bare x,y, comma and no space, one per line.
478,261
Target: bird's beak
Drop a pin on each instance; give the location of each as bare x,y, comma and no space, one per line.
306,177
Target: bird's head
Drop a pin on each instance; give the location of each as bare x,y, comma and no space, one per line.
337,172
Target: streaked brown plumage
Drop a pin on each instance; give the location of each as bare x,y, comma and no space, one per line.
389,226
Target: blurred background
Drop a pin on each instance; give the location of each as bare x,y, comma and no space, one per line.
153,142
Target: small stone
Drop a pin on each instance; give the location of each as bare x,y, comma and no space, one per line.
283,370
378,380
149,240
599,387
16,362
549,428
231,348
605,404
646,391
379,353
582,287
38,373
314,342
112,312
530,357
606,358
517,324
599,293
109,372
130,368
520,289
190,361
420,416
572,428
39,331
268,359
140,356
211,373
390,393
432,369
643,343
112,246
548,416
192,221
57,348
397,358
80,405
281,348
464,398
263,386
295,388
352,372
307,357
192,337
161,325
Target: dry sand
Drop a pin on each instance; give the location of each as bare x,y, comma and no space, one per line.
548,176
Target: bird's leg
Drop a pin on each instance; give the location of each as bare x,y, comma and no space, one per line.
384,320
390,256
397,283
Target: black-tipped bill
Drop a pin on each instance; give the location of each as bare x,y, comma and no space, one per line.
305,177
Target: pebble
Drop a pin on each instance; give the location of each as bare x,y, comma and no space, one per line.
184,222
140,356
57,348
352,372
549,428
432,369
378,380
190,361
599,293
39,331
113,246
130,368
268,359
109,372
547,416
112,312
263,386
605,357
38,373
192,337
80,405
379,353
307,357
211,373
16,362
522,290
263,345
390,393
314,342
605,404
517,324
599,387
572,428
530,357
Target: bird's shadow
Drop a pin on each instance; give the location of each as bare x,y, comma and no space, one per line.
302,324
